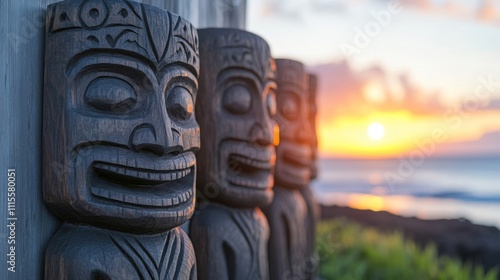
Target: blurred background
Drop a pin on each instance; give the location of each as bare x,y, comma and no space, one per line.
408,100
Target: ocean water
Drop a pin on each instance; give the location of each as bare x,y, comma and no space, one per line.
428,189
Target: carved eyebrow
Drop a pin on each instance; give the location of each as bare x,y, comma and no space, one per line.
179,64
243,73
80,63
177,73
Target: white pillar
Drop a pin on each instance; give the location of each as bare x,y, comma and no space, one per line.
206,13
22,31
223,13
188,9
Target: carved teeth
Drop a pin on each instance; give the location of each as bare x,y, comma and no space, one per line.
143,200
156,176
139,162
250,183
167,202
147,175
252,162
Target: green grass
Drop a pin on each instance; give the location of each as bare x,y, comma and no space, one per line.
348,251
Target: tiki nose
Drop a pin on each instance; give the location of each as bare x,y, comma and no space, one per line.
144,139
260,135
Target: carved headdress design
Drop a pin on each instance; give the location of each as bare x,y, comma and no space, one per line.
122,26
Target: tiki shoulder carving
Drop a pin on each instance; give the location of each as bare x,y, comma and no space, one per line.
99,254
120,133
287,216
230,243
235,109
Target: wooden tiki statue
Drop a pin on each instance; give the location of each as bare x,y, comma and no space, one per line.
119,140
313,109
287,214
313,209
235,109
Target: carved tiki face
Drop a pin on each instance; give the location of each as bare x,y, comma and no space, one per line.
235,110
119,126
313,85
293,165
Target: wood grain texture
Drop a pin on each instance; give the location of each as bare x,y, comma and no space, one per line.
21,74
235,110
119,137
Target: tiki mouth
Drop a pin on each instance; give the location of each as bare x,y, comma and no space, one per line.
298,155
251,171
294,164
165,182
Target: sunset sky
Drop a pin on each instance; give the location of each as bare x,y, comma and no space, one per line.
425,79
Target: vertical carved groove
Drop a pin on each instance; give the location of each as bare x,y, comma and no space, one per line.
230,259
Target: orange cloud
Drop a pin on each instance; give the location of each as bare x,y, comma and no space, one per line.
487,11
345,92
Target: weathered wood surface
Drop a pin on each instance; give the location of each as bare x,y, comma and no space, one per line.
21,72
119,137
235,109
289,252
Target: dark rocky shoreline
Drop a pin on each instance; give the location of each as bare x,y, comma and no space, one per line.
457,238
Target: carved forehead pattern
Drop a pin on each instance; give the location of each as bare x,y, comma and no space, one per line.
291,72
235,48
159,36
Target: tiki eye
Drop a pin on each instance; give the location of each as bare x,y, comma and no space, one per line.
290,107
180,105
237,99
110,94
271,103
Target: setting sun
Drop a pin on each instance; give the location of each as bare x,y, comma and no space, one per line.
376,131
